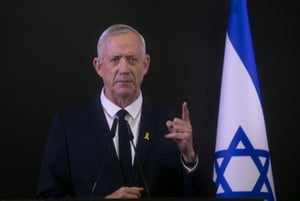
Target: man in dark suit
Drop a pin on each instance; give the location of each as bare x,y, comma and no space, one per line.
83,151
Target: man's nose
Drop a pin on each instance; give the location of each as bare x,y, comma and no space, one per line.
124,65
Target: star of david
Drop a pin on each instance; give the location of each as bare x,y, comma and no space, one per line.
247,151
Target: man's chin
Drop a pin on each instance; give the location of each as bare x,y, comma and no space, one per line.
126,92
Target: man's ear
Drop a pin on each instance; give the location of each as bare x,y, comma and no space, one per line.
146,64
97,66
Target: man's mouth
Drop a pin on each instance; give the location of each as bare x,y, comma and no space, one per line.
123,81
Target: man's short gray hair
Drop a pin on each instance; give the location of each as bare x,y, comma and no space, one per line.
115,30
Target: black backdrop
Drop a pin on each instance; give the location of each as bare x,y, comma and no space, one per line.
46,66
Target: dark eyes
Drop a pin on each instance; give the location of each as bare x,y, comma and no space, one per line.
130,59
115,60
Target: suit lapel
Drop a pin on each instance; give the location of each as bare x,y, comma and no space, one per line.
98,120
102,132
145,140
146,134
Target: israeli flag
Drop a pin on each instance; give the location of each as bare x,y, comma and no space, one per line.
242,166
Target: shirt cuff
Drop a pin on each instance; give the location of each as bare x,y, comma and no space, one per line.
191,166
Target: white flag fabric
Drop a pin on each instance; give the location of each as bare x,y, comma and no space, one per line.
242,166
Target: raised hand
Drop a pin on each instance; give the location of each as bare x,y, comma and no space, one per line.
182,133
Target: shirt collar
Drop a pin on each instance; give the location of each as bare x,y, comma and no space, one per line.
111,109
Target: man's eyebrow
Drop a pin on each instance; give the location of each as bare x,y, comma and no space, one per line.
115,56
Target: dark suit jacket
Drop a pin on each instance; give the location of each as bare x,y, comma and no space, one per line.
79,141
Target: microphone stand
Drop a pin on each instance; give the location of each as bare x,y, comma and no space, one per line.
138,161
112,135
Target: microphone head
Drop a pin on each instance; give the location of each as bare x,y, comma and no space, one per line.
129,131
113,128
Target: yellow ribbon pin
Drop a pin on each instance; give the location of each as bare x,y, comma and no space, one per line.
147,137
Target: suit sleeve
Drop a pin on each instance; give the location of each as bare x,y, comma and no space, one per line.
199,183
55,180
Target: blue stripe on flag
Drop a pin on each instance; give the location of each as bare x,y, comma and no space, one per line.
240,37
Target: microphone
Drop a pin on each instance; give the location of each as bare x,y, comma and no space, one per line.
137,159
112,135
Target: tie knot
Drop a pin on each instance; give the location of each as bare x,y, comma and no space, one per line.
122,113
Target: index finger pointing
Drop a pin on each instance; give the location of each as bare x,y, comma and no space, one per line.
185,112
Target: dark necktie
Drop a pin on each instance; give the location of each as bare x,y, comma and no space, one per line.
124,146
